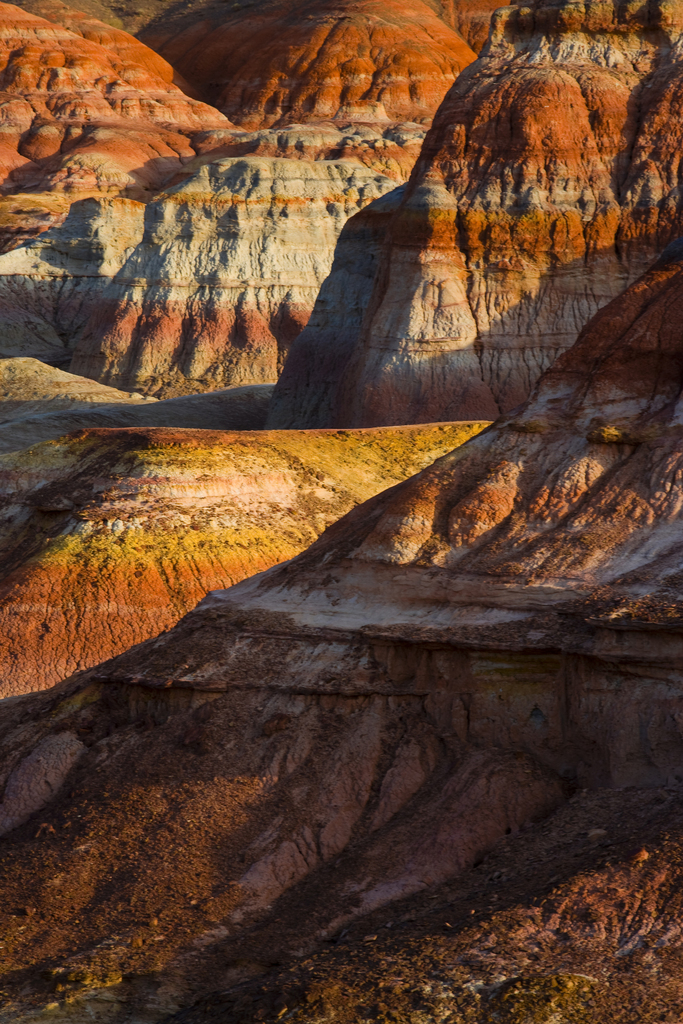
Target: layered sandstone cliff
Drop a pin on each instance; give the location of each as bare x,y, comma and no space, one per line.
204,287
108,537
545,185
281,63
78,115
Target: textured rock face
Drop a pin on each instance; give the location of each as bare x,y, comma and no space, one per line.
49,287
259,235
546,183
38,778
203,288
283,63
122,43
554,530
77,115
510,590
107,537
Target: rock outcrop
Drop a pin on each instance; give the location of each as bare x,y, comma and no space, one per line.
77,115
283,63
315,754
546,183
108,536
106,34
205,287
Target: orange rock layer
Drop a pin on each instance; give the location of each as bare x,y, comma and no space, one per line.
79,115
546,183
284,63
110,536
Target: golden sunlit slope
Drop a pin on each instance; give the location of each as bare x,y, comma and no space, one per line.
108,537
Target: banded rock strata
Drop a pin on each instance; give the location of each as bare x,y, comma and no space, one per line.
205,287
109,536
512,589
280,63
438,671
547,182
77,115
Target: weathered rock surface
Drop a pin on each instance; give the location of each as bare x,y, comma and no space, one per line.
104,33
77,115
203,288
546,184
280,63
108,537
441,668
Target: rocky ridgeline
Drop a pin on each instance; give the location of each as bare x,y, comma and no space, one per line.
79,115
207,285
546,183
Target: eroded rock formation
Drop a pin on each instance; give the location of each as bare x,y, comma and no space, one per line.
546,183
108,537
77,115
443,667
282,63
205,287
40,403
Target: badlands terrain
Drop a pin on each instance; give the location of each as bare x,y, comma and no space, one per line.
341,363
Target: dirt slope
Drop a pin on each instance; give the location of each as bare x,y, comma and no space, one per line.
320,750
110,536
285,63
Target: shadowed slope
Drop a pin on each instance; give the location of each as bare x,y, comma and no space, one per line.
439,670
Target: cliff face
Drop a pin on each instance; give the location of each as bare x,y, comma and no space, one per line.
77,115
282,63
108,537
510,586
203,288
257,236
545,184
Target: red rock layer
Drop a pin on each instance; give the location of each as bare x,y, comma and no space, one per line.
284,63
79,116
547,182
108,537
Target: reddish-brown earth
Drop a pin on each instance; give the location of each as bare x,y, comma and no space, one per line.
122,43
470,18
333,746
81,116
108,536
279,62
546,183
